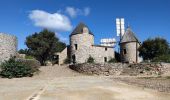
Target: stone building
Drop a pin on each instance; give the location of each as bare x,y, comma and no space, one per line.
82,47
129,45
8,46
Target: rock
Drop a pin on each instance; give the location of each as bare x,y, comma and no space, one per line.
120,69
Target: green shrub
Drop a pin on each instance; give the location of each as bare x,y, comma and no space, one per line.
112,60
90,60
15,69
162,58
67,61
29,57
34,64
167,77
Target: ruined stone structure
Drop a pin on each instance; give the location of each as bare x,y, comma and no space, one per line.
129,45
8,46
122,69
82,47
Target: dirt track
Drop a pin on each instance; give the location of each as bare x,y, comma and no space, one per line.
61,83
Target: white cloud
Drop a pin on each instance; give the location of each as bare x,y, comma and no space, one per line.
57,21
86,11
71,11
54,21
74,12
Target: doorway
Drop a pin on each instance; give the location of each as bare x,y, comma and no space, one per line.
74,59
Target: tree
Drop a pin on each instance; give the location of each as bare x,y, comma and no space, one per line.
154,48
24,51
43,45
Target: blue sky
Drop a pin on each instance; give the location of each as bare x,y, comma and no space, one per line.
147,18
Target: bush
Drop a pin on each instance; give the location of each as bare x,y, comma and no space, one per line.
34,64
67,61
162,58
29,57
112,60
167,77
15,69
90,60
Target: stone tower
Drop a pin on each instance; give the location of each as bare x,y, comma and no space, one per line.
8,46
129,45
81,41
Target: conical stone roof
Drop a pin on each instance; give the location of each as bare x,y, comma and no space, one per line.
129,36
79,28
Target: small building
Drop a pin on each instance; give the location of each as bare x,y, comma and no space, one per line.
82,47
129,46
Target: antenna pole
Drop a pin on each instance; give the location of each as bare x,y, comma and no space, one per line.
120,30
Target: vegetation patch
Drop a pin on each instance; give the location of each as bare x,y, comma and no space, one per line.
112,60
34,64
16,69
167,77
67,61
155,50
43,45
90,60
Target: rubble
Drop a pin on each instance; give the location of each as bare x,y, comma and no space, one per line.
120,69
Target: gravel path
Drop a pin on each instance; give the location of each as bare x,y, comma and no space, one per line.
48,72
61,83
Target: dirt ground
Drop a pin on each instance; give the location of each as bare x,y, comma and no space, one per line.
161,84
61,83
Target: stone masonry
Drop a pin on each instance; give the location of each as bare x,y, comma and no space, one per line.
62,56
82,46
8,46
129,46
139,69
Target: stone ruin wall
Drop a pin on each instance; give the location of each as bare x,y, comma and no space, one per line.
99,52
138,69
8,46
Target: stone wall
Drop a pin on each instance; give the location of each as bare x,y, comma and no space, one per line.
99,53
84,42
131,53
86,48
62,56
99,69
166,69
8,46
120,69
